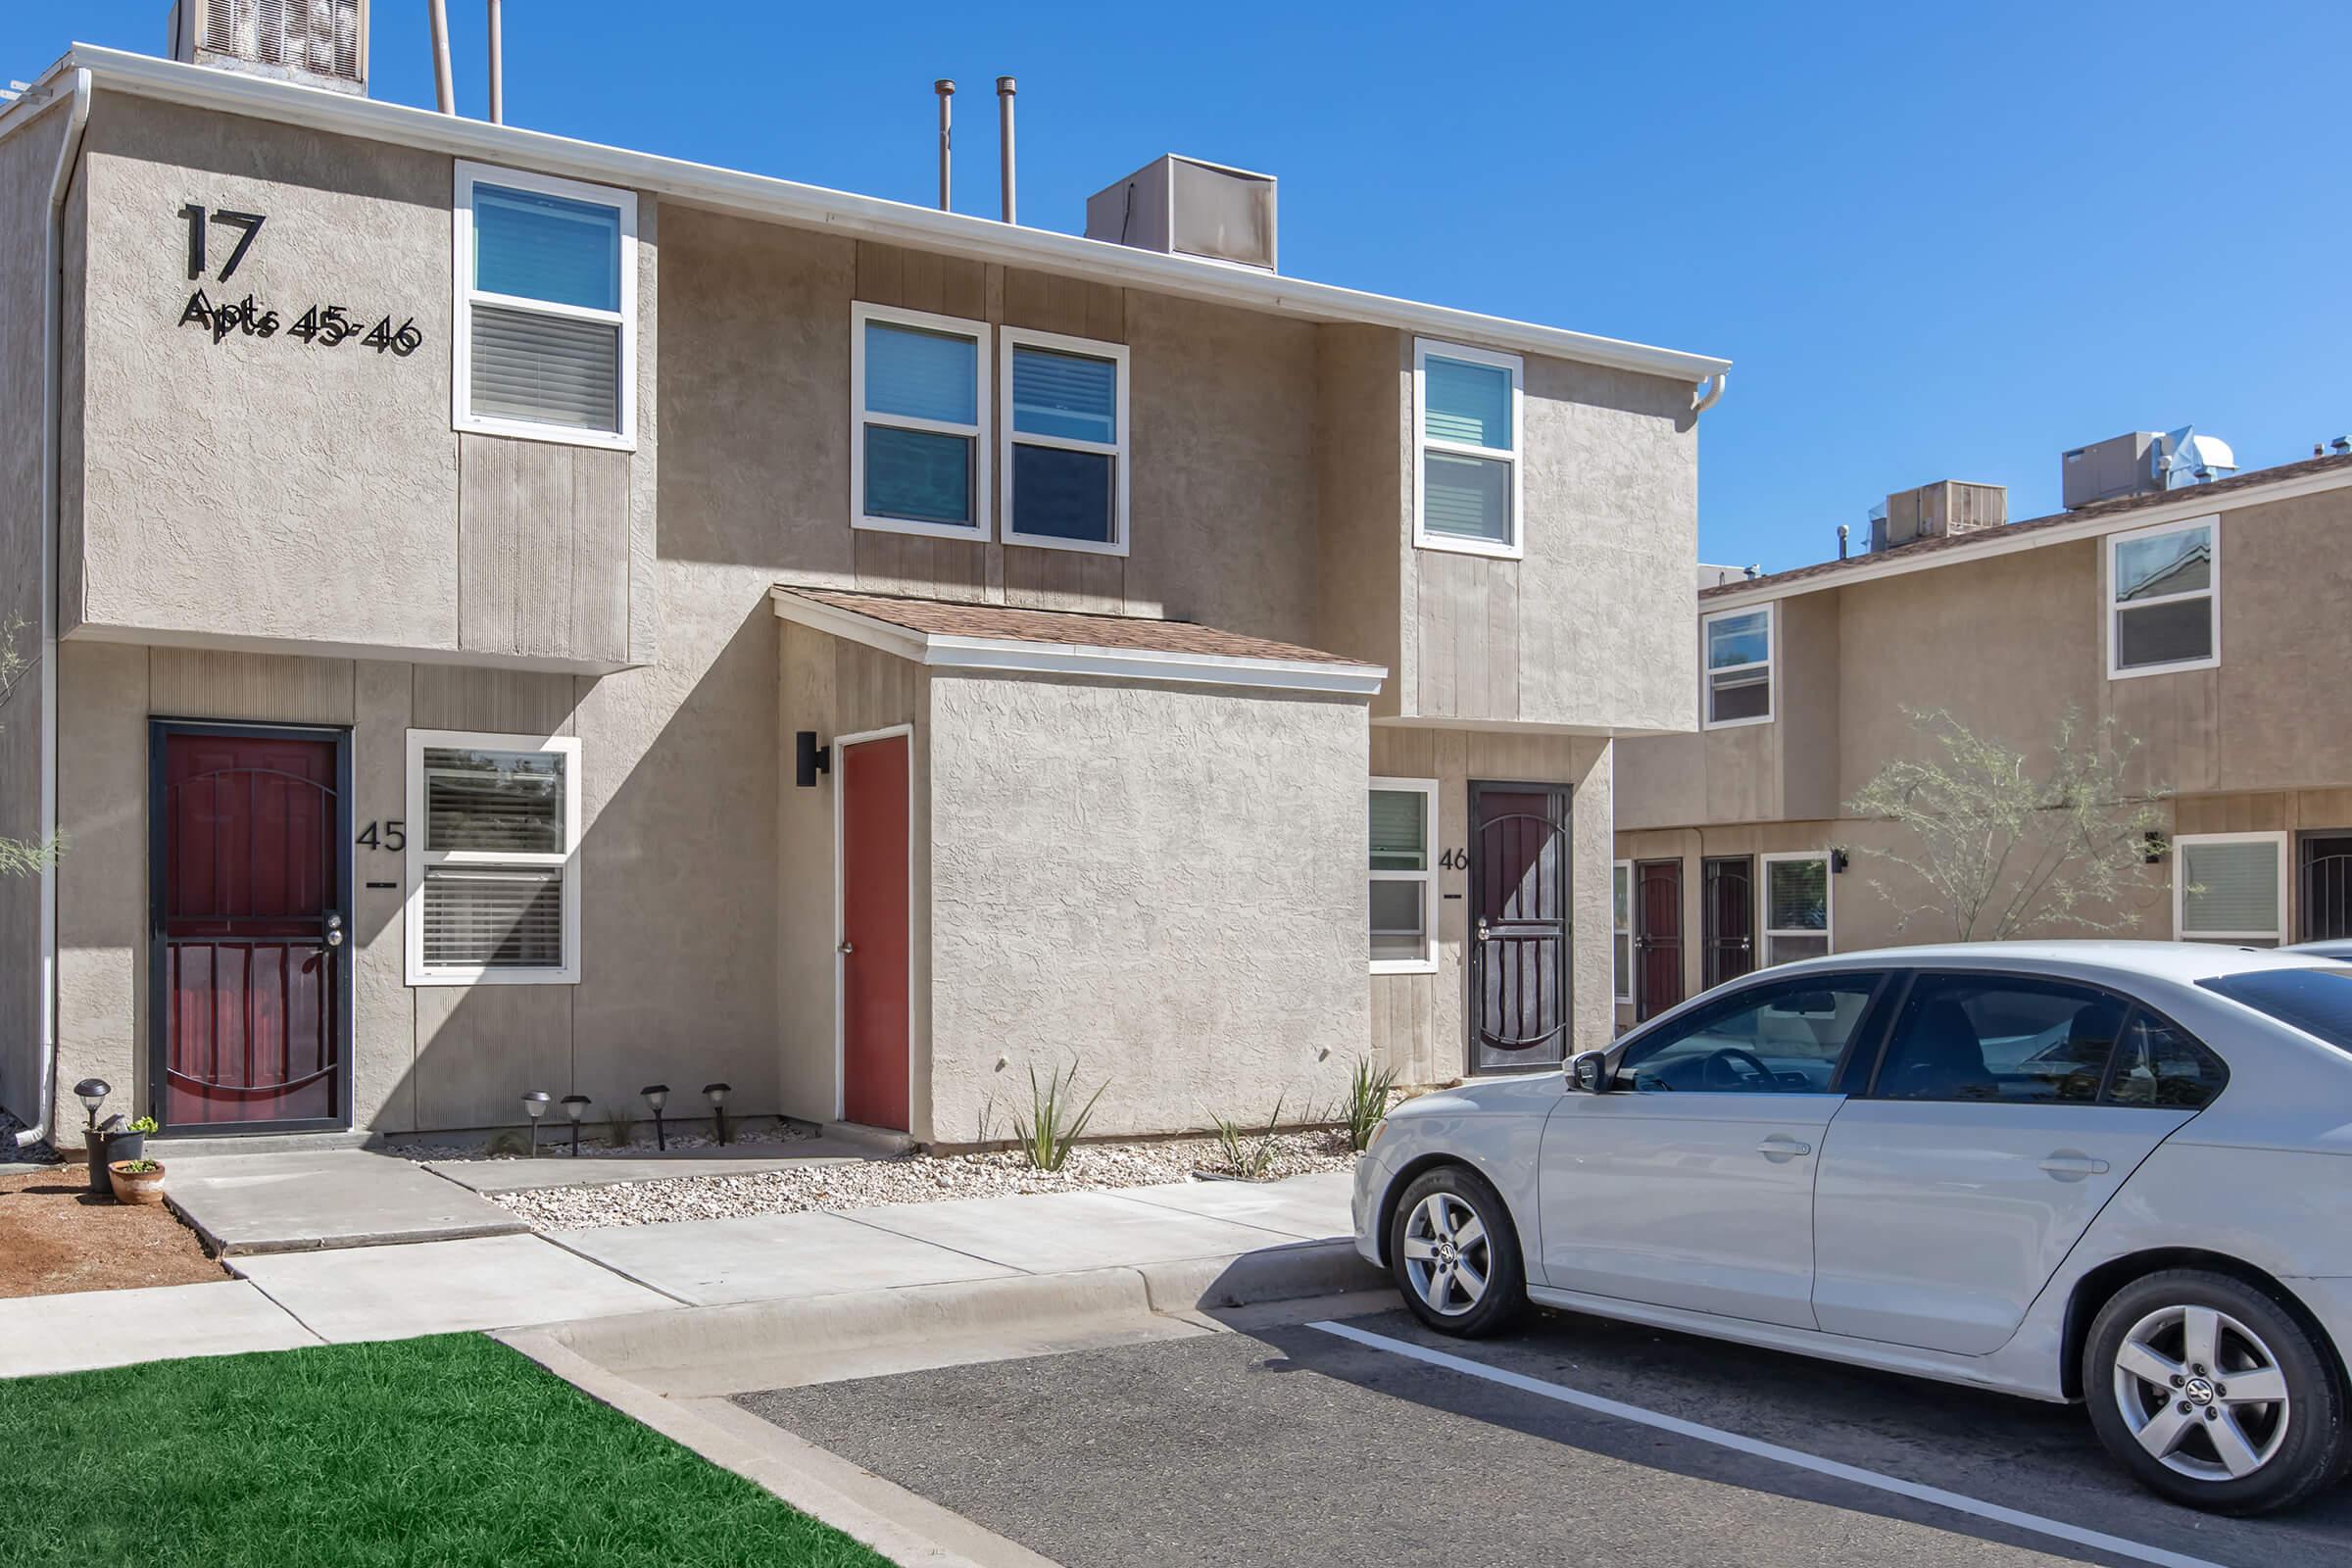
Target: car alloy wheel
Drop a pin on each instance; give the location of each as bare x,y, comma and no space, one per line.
2202,1392
1448,1256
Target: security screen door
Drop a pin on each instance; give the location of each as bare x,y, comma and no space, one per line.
1518,970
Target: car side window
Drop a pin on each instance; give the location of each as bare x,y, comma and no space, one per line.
2161,1067
1781,1038
1999,1037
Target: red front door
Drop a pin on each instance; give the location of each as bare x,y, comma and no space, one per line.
248,926
1657,937
874,983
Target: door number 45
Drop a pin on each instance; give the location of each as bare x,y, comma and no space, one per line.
394,837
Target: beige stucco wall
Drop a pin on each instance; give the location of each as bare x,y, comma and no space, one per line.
1418,1027
1161,883
265,488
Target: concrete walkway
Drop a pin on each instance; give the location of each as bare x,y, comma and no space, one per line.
1214,1235
337,1198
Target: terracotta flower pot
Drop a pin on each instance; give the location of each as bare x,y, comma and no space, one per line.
136,1187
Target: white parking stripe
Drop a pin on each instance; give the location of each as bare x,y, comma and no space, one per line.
1796,1458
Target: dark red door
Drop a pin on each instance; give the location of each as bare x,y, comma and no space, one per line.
874,983
1657,936
251,888
1728,916
1519,1008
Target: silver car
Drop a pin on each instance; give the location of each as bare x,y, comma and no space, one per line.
2113,1172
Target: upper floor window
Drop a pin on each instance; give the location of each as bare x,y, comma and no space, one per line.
919,436
1066,442
2229,886
1466,408
546,307
1738,672
2163,604
1404,825
493,845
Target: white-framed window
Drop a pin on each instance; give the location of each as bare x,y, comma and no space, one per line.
2229,886
1404,885
918,423
2164,599
546,274
1796,906
1467,415
493,853
1063,402
1737,647
1621,929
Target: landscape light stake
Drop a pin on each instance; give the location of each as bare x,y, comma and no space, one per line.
93,1092
534,1105
657,1096
718,1109
576,1106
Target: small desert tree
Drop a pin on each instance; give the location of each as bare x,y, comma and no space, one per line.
18,856
1994,846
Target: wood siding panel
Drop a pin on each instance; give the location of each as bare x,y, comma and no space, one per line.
600,556
544,558
513,701
921,280
259,688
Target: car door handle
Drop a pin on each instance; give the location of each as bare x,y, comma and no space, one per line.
1780,1147
2068,1167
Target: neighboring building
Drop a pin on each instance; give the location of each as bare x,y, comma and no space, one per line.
2206,621
520,615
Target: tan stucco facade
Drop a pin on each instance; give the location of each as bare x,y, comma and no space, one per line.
2011,641
1164,881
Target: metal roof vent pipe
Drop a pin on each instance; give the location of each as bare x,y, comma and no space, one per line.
947,91
1843,532
498,65
1005,87
445,97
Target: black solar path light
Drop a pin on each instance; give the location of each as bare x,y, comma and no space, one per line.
657,1096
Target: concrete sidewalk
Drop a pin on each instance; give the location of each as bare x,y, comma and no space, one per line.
1194,1244
335,1197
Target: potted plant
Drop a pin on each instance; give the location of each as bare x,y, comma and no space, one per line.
129,1143
137,1180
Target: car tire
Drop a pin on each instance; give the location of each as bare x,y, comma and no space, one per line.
2198,1440
1455,1253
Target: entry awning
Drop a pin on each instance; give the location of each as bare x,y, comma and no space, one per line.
949,634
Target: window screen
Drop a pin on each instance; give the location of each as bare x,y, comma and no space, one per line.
493,836
920,423
547,312
2229,888
1469,459
1065,440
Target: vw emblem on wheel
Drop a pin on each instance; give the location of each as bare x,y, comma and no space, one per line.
2198,1390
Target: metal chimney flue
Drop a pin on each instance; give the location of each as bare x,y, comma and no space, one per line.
947,91
498,65
445,96
1006,88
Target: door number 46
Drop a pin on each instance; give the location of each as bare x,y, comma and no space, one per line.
394,837
1455,860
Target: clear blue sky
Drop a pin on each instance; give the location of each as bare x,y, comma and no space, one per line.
1938,242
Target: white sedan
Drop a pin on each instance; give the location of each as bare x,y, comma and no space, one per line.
2114,1172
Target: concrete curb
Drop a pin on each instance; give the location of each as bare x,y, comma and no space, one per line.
909,1530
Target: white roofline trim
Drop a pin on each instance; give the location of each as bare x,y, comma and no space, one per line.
814,207
1023,656
2195,502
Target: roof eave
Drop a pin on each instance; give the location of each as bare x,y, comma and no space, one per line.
814,207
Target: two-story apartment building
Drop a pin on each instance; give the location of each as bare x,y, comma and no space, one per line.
2204,623
518,614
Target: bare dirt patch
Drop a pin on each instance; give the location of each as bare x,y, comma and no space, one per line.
56,1236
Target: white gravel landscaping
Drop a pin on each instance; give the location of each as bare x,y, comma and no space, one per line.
916,1179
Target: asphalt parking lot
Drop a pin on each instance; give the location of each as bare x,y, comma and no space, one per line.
1300,1447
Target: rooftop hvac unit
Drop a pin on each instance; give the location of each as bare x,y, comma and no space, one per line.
1185,207
2143,462
322,43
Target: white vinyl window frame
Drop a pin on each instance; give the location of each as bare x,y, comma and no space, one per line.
1769,664
461,408
1621,929
1515,547
2211,593
983,487
2180,844
420,858
1012,338
1828,902
1427,876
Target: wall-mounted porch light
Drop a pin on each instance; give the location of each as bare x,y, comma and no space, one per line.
719,1108
809,759
1839,861
534,1105
576,1106
657,1096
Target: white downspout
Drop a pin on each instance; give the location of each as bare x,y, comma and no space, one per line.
53,314
1701,402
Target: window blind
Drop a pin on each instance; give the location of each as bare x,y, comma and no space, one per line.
1466,403
494,802
1065,395
2229,888
922,375
1467,498
547,369
494,918
1399,826
1796,895
539,247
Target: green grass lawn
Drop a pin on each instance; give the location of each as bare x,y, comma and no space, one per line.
450,1450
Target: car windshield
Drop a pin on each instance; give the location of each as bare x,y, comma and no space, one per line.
2317,1002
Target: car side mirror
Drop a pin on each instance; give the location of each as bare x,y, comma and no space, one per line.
1589,1072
